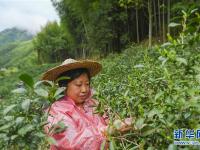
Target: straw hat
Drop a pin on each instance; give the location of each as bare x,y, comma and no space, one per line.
69,64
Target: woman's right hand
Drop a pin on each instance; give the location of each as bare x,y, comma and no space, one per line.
123,126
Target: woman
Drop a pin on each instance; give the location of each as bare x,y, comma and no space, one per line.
85,130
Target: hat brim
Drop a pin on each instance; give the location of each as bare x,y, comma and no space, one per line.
92,66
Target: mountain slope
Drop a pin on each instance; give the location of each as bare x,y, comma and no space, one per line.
22,54
13,35
16,48
17,54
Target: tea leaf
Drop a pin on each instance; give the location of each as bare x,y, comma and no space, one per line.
27,79
19,90
8,109
26,104
27,128
41,92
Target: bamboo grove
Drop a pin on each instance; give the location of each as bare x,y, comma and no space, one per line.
91,28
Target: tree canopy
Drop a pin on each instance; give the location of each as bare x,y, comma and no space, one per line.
91,27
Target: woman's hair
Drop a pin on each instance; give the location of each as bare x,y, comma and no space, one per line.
71,75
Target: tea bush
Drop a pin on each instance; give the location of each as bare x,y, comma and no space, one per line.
161,94
22,123
158,87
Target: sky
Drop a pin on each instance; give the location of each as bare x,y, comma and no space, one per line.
26,14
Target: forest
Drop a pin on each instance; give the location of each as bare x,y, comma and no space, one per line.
150,53
97,28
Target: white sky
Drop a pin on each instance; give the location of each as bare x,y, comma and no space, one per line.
26,14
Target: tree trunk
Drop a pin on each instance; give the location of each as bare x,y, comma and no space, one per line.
159,18
39,56
128,28
150,22
168,16
87,38
83,54
137,27
163,20
155,18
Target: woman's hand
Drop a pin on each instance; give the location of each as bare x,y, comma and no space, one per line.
118,125
123,125
126,125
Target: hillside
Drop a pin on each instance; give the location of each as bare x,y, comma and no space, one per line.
15,46
16,55
14,35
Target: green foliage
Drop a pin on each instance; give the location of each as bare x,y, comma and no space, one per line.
189,9
159,87
95,25
13,35
51,44
22,123
17,54
103,27
4,50
15,58
131,3
73,21
9,78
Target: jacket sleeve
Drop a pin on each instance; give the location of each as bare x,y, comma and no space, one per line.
75,136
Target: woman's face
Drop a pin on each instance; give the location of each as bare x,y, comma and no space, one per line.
78,89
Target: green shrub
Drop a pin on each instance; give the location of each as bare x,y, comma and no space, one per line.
22,123
159,87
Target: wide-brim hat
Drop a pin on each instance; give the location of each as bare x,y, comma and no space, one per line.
70,64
